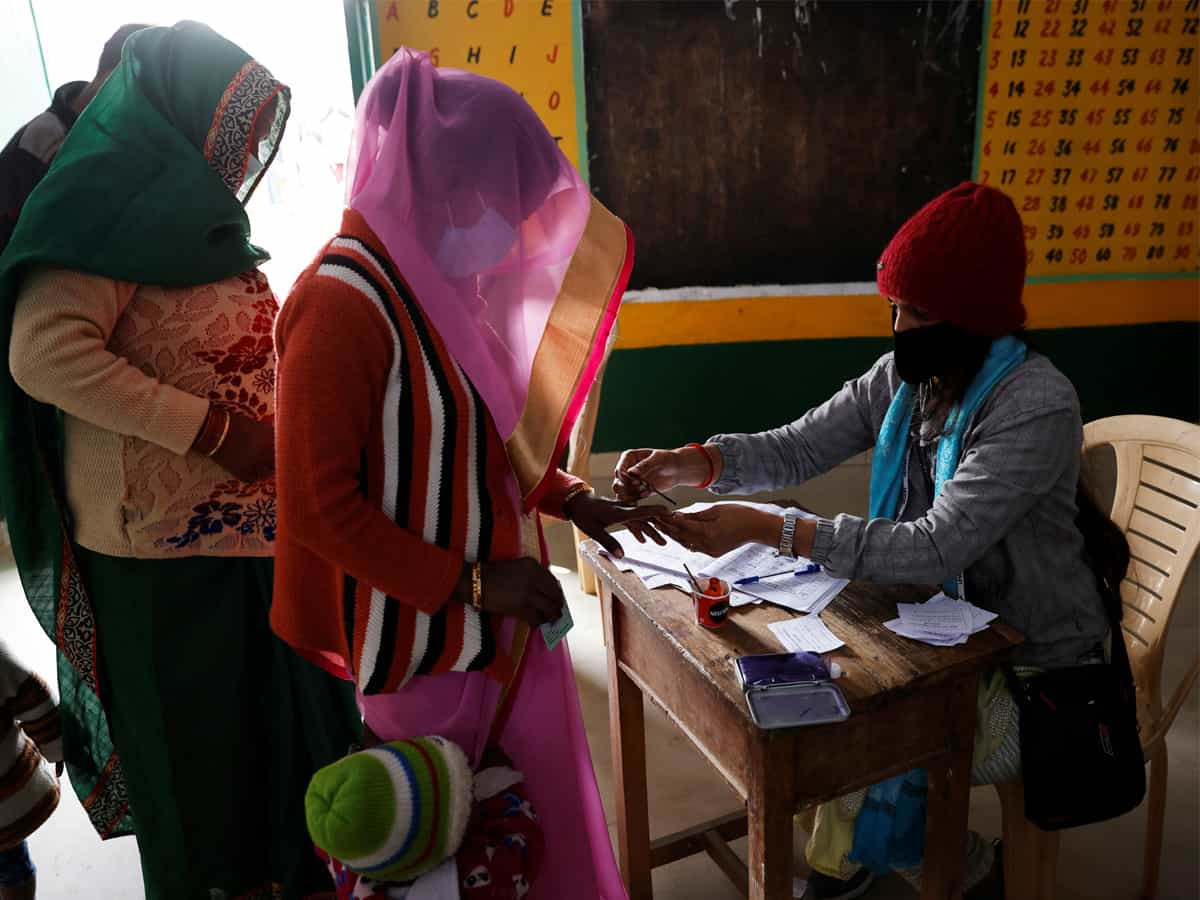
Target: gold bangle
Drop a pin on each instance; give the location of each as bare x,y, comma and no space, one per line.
202,439
575,492
477,586
224,434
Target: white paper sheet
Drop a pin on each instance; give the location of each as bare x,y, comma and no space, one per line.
808,593
805,633
744,562
940,621
933,638
981,618
940,618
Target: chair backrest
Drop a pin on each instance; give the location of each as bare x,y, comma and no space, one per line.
1157,505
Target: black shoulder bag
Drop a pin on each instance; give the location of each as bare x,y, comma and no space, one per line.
1081,753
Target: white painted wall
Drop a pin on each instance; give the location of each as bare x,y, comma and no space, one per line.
23,91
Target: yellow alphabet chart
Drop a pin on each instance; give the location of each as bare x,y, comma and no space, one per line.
531,45
1089,120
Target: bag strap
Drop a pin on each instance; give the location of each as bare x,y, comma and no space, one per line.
1119,657
508,693
1119,652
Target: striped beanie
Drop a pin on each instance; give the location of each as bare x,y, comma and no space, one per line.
395,811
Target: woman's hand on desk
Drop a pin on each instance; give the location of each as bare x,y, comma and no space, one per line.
638,471
722,528
595,515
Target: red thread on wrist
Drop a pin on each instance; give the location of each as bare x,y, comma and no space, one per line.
712,466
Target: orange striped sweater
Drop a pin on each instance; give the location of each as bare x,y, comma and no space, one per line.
30,734
391,476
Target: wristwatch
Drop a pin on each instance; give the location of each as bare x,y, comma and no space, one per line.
788,538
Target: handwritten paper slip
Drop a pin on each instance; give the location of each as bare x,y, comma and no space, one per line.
743,562
806,633
806,593
940,621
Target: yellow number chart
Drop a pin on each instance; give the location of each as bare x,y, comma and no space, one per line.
533,46
1089,120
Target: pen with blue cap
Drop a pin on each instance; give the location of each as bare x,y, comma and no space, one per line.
755,579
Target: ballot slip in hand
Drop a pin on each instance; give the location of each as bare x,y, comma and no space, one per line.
554,632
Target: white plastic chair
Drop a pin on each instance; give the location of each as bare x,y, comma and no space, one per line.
1157,505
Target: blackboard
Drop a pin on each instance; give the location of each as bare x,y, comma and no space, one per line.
775,142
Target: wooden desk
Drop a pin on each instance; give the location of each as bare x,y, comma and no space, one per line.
913,705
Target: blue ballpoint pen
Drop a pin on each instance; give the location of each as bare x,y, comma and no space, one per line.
754,579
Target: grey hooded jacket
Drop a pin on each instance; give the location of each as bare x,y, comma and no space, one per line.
1006,520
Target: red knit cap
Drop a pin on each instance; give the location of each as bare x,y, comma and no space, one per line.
961,259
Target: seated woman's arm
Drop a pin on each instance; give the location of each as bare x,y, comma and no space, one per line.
1018,452
744,463
59,355
1015,458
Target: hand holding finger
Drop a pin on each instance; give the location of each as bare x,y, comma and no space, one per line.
678,532
658,470
630,490
706,516
628,460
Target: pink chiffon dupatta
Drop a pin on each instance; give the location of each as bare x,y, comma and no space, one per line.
516,265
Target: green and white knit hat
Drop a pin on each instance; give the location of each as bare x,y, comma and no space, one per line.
395,811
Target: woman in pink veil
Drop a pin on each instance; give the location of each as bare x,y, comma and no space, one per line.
433,360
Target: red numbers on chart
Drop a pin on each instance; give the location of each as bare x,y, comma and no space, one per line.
1088,106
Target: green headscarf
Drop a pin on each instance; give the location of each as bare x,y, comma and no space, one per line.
148,187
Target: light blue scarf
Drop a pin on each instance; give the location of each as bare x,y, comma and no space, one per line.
890,830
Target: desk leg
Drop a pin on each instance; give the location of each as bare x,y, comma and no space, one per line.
949,795
627,723
770,807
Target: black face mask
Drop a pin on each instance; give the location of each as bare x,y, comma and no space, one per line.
932,350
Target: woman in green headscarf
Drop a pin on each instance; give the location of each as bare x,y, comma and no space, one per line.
136,474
